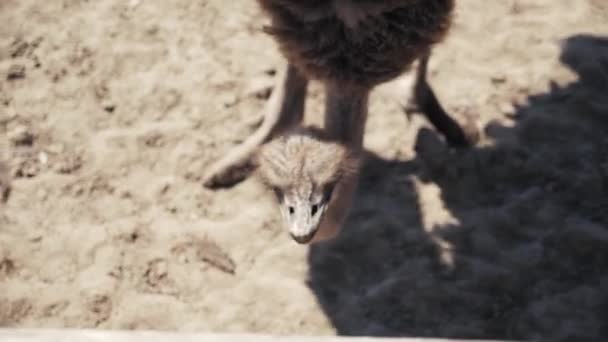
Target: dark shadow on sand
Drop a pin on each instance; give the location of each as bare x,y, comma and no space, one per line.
529,249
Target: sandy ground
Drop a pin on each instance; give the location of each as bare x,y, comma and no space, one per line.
110,110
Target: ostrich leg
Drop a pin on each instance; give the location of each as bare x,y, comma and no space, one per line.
283,111
426,101
346,111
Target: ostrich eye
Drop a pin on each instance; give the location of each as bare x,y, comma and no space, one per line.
314,209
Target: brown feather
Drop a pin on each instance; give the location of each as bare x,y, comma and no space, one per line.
303,156
362,42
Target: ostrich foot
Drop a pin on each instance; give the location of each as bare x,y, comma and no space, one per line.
425,101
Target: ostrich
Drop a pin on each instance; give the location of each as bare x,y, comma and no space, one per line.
351,46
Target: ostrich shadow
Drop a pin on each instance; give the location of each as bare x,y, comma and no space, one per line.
526,252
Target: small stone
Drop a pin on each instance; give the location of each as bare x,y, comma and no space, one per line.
68,163
37,63
7,266
498,79
152,30
43,158
18,48
27,168
152,139
270,71
110,108
36,237
15,71
229,100
126,194
20,136
158,269
165,188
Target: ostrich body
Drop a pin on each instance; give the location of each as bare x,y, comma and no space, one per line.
357,42
350,46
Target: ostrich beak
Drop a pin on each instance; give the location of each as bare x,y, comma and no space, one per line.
303,219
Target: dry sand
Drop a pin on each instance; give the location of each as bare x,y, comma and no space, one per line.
110,110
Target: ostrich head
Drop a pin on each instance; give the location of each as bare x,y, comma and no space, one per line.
305,170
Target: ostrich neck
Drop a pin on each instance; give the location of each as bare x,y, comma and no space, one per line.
346,114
